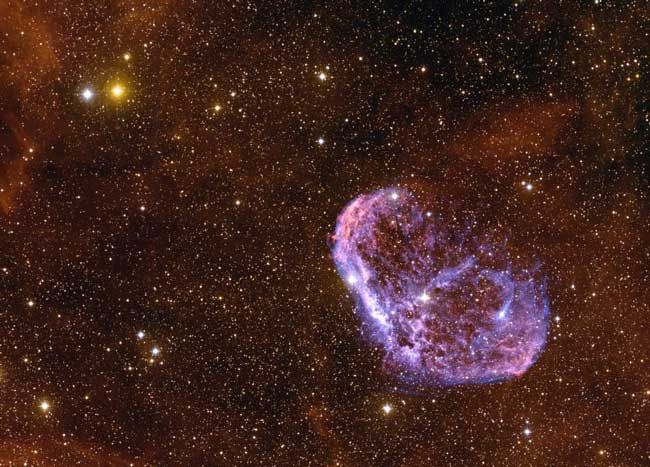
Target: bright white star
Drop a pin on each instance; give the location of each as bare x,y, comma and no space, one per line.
87,94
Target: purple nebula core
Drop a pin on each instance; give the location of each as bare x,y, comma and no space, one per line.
447,307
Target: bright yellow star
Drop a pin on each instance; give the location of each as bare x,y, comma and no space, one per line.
117,91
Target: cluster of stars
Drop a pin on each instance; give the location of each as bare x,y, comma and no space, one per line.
169,174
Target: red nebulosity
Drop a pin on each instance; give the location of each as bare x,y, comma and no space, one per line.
447,307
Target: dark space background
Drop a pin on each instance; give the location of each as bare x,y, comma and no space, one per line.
206,228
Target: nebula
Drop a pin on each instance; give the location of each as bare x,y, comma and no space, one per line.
447,305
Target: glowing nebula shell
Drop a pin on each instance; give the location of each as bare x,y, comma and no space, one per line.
447,307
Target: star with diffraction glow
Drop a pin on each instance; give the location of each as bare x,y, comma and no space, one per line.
117,91
87,94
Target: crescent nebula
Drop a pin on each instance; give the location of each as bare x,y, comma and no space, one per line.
447,306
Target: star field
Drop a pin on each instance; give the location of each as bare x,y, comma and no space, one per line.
171,173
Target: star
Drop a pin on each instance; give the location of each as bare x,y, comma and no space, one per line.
117,91
387,408
44,406
87,94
